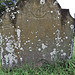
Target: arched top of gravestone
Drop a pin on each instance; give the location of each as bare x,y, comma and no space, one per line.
14,10
21,3
28,3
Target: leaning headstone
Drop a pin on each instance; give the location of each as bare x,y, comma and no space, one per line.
35,31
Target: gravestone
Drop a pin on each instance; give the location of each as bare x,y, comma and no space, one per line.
35,31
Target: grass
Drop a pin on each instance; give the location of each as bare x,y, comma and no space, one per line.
64,68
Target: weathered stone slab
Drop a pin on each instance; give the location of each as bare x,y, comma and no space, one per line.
36,31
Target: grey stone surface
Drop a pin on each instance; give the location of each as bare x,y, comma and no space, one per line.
34,32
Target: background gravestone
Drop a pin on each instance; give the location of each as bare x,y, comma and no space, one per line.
35,32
